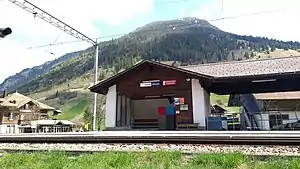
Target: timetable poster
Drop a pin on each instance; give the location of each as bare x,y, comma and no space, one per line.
177,101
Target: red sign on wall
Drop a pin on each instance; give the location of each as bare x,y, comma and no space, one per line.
169,82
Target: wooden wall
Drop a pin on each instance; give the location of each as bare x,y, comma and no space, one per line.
129,85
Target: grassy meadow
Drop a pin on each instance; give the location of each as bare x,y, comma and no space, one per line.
144,160
74,111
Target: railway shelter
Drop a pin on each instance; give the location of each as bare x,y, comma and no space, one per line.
139,95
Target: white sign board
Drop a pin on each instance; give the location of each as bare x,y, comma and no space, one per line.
145,84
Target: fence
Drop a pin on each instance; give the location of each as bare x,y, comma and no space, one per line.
255,121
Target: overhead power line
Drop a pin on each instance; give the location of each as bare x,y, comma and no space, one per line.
172,2
179,26
38,12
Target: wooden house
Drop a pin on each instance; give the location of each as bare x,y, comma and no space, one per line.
17,110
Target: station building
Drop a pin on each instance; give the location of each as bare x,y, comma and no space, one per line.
135,95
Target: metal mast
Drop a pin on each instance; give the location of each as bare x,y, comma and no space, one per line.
38,12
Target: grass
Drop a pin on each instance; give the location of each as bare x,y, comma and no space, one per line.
143,160
277,53
74,111
222,100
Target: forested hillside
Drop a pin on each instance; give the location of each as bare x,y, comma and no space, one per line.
188,41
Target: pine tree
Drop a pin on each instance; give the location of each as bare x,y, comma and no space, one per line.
252,54
246,55
233,56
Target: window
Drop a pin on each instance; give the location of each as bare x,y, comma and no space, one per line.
11,116
277,119
13,101
22,117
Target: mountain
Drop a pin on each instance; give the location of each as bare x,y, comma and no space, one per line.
26,75
185,40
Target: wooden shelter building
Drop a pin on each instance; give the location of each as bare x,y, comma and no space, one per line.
134,95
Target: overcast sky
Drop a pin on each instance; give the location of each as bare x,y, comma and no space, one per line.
97,18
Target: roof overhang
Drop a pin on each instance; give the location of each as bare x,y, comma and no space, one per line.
257,78
102,86
271,83
269,78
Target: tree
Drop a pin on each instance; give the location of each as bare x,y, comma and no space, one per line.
56,94
232,55
87,115
101,75
272,48
246,55
252,54
100,112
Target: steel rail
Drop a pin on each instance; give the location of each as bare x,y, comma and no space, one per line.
177,137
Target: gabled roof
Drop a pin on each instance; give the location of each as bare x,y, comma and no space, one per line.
18,100
112,80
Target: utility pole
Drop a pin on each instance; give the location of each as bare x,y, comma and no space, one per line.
94,117
38,12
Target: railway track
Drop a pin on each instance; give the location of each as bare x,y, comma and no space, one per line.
161,137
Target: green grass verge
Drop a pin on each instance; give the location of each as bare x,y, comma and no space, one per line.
143,160
74,111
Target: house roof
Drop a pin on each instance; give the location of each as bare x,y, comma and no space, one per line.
221,70
234,98
51,122
112,80
18,100
278,96
248,67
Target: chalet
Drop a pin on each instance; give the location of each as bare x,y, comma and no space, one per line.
18,110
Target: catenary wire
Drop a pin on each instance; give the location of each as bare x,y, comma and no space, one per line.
180,26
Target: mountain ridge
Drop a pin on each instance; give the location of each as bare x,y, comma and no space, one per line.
14,81
187,40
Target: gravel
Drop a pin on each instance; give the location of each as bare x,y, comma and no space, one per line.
193,148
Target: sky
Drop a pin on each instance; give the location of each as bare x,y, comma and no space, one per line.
103,18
